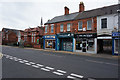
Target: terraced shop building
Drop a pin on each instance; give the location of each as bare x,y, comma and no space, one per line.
58,34
75,32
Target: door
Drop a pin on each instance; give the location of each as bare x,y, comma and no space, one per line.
84,46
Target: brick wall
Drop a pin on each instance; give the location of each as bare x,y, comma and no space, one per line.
74,27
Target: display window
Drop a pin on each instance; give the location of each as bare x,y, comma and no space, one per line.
90,44
50,44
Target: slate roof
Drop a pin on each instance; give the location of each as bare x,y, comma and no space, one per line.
68,17
98,12
86,14
14,30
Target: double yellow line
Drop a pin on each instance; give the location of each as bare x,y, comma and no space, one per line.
1,55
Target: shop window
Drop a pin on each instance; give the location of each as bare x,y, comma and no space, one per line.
52,28
80,25
104,23
61,28
50,44
90,45
89,24
116,46
68,27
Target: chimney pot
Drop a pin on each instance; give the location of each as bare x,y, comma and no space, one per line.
66,10
81,7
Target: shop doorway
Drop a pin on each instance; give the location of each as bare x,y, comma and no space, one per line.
105,46
66,44
84,46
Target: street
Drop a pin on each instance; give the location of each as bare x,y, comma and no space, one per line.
30,63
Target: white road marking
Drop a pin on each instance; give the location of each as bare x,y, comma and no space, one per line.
15,59
58,73
40,65
76,75
7,56
10,58
61,71
35,66
21,61
27,63
45,69
71,77
49,68
31,62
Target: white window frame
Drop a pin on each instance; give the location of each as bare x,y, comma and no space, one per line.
79,25
68,27
61,28
34,39
52,29
88,24
106,22
46,27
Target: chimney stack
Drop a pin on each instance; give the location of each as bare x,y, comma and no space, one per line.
81,7
66,10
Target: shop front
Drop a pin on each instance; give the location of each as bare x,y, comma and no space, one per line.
65,41
86,43
104,43
49,42
115,42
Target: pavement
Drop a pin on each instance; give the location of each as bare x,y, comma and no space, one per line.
35,63
108,56
103,55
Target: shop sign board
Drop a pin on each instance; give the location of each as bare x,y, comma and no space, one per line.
86,35
49,37
65,35
116,34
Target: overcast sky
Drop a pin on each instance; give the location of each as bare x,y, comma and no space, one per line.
21,14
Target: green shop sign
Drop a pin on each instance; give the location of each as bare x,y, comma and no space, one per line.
65,35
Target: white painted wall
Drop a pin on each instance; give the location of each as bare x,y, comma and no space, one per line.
112,21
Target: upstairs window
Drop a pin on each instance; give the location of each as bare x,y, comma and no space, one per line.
46,28
52,28
68,27
104,23
80,25
89,25
61,28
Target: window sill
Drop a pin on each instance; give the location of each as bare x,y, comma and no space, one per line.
80,30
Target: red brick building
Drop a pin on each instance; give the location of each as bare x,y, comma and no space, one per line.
72,32
33,37
10,36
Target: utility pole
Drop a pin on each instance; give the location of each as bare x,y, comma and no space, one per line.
118,26
118,37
